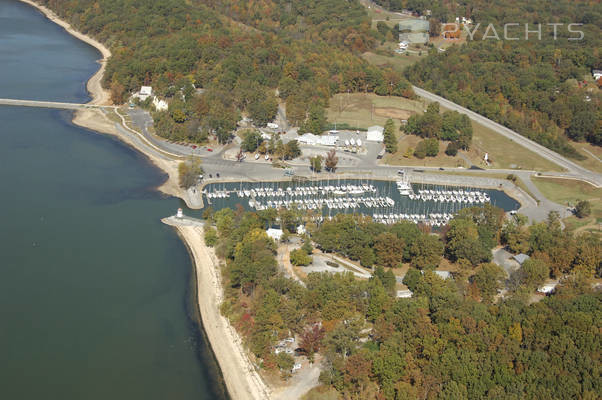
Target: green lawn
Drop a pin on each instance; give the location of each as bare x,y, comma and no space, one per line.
569,191
504,153
365,110
398,61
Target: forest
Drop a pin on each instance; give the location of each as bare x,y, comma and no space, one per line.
454,339
243,60
532,86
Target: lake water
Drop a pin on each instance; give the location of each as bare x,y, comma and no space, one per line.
96,295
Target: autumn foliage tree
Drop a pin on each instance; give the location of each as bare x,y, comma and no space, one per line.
331,161
311,339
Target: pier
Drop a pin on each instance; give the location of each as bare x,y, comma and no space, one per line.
47,104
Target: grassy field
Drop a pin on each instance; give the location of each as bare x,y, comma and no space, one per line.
569,192
504,153
410,141
593,156
365,110
398,61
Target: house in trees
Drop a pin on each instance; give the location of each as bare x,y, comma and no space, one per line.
404,294
144,93
547,287
375,134
160,105
520,258
275,234
597,74
443,274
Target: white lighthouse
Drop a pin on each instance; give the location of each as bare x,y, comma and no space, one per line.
180,214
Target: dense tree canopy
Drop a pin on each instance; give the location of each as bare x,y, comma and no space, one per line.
241,54
531,85
455,338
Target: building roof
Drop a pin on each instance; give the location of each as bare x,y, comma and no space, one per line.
375,134
547,287
521,258
275,234
404,294
443,274
311,139
146,90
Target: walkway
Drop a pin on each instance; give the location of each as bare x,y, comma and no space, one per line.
46,104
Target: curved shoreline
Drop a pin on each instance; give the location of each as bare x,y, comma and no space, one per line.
100,96
240,381
240,377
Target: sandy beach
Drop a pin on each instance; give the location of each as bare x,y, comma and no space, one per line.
241,379
97,120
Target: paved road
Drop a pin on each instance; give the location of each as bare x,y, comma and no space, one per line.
352,165
44,104
572,168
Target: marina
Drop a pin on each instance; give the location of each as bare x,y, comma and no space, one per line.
385,201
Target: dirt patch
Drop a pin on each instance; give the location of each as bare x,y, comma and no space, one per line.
393,113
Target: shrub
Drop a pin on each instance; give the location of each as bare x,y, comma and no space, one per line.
210,236
583,209
452,149
300,257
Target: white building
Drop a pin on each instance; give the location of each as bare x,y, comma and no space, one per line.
443,274
301,230
144,93
597,74
160,105
315,140
375,134
547,288
404,294
275,234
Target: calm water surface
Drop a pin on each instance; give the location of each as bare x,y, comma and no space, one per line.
95,293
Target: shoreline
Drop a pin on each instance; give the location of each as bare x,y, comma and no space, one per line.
241,382
97,120
240,377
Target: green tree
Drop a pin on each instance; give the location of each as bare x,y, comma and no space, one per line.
464,242
189,172
210,236
388,249
489,279
535,273
583,209
251,141
452,149
389,136
316,120
316,163
300,258
426,251
291,150
387,278
263,109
